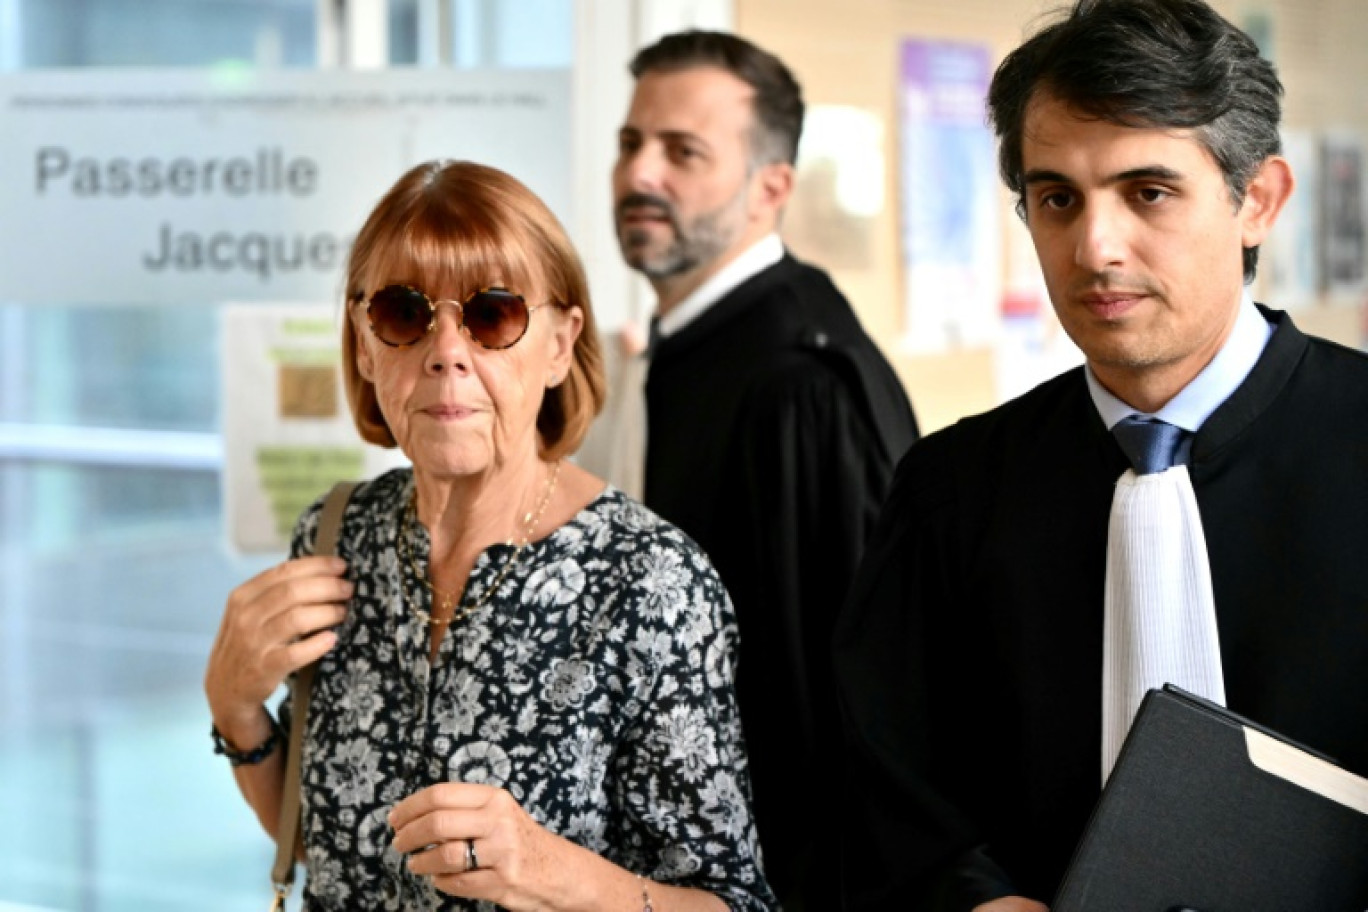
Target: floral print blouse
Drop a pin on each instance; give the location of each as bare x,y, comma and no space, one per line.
596,686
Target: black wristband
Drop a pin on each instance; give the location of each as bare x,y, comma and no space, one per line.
250,757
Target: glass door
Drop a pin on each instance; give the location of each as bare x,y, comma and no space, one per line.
113,562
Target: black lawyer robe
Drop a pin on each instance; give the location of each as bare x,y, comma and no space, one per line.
969,655
774,426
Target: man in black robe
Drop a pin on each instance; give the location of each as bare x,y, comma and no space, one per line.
773,421
1142,139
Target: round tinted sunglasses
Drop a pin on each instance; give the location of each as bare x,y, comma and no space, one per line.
494,318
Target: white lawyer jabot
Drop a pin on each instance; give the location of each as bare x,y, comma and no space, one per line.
1160,612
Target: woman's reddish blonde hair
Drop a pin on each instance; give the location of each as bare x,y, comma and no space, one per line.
457,225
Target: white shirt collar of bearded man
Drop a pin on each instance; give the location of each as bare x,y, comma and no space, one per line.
760,256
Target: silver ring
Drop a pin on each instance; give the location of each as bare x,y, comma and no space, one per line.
472,860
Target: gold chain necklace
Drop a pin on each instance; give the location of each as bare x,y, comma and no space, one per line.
448,599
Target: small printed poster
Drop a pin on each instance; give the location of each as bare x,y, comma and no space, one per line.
1344,210
1033,346
288,433
950,208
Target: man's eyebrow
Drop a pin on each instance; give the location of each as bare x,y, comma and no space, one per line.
681,136
1147,172
1042,176
667,135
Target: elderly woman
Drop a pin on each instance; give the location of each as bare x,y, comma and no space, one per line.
524,691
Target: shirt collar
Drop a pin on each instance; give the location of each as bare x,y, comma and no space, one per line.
1196,401
761,255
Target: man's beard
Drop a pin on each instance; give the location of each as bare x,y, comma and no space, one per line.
698,243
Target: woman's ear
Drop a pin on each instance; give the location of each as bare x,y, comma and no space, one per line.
565,331
365,364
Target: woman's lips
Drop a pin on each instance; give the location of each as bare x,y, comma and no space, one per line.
448,412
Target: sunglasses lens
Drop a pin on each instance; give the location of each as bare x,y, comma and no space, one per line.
399,315
496,318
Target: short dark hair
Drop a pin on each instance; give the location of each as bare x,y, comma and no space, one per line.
1147,63
456,224
778,97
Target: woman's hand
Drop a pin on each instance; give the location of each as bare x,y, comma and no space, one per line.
521,864
274,624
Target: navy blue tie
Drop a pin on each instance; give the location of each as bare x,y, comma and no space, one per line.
1150,444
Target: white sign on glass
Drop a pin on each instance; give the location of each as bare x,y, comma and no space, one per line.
173,186
198,186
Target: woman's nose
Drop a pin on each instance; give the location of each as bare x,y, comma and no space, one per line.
450,345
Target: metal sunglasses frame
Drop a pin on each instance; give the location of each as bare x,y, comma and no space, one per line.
460,307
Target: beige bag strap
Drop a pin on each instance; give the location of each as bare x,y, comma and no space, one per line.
289,839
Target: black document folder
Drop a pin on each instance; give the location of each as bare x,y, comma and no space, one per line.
1209,812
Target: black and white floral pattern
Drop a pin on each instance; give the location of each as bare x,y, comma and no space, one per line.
596,686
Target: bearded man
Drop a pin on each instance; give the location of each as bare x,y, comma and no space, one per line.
773,421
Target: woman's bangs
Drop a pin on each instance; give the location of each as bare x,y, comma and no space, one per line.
446,256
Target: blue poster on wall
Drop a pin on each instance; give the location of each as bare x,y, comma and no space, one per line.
949,196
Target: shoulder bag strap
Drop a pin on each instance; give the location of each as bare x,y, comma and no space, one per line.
289,840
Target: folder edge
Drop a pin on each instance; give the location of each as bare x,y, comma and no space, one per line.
1287,762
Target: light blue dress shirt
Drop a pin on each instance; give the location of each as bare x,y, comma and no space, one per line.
1214,385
